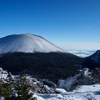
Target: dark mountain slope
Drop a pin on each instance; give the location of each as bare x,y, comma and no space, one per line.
41,65
92,61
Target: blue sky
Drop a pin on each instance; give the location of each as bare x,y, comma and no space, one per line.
70,24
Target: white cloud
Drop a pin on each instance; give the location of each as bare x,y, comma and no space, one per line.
79,46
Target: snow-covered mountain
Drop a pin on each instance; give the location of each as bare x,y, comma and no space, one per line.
26,43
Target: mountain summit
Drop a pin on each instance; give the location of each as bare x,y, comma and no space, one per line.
26,43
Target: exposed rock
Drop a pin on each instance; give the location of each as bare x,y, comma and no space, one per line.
84,77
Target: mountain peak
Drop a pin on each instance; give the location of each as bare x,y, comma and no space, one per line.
26,43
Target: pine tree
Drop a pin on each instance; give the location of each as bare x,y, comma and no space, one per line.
6,89
22,87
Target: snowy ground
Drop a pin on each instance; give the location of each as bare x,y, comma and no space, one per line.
82,92
85,92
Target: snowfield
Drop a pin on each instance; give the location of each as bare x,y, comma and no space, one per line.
84,92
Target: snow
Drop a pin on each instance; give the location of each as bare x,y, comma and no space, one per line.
37,97
84,92
16,95
60,90
81,92
67,84
26,43
62,83
1,98
71,81
88,88
3,74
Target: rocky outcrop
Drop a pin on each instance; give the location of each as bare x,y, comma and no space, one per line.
84,77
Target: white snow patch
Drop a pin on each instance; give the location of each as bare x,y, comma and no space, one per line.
60,90
88,88
85,92
1,98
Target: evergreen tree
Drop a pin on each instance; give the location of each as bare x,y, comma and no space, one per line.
22,88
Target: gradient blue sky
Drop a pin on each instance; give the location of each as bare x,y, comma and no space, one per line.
70,24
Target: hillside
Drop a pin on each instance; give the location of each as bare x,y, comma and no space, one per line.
92,61
42,65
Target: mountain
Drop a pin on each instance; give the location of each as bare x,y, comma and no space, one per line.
92,61
96,57
32,54
26,43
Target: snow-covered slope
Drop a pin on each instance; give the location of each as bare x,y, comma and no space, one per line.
84,92
26,43
44,92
